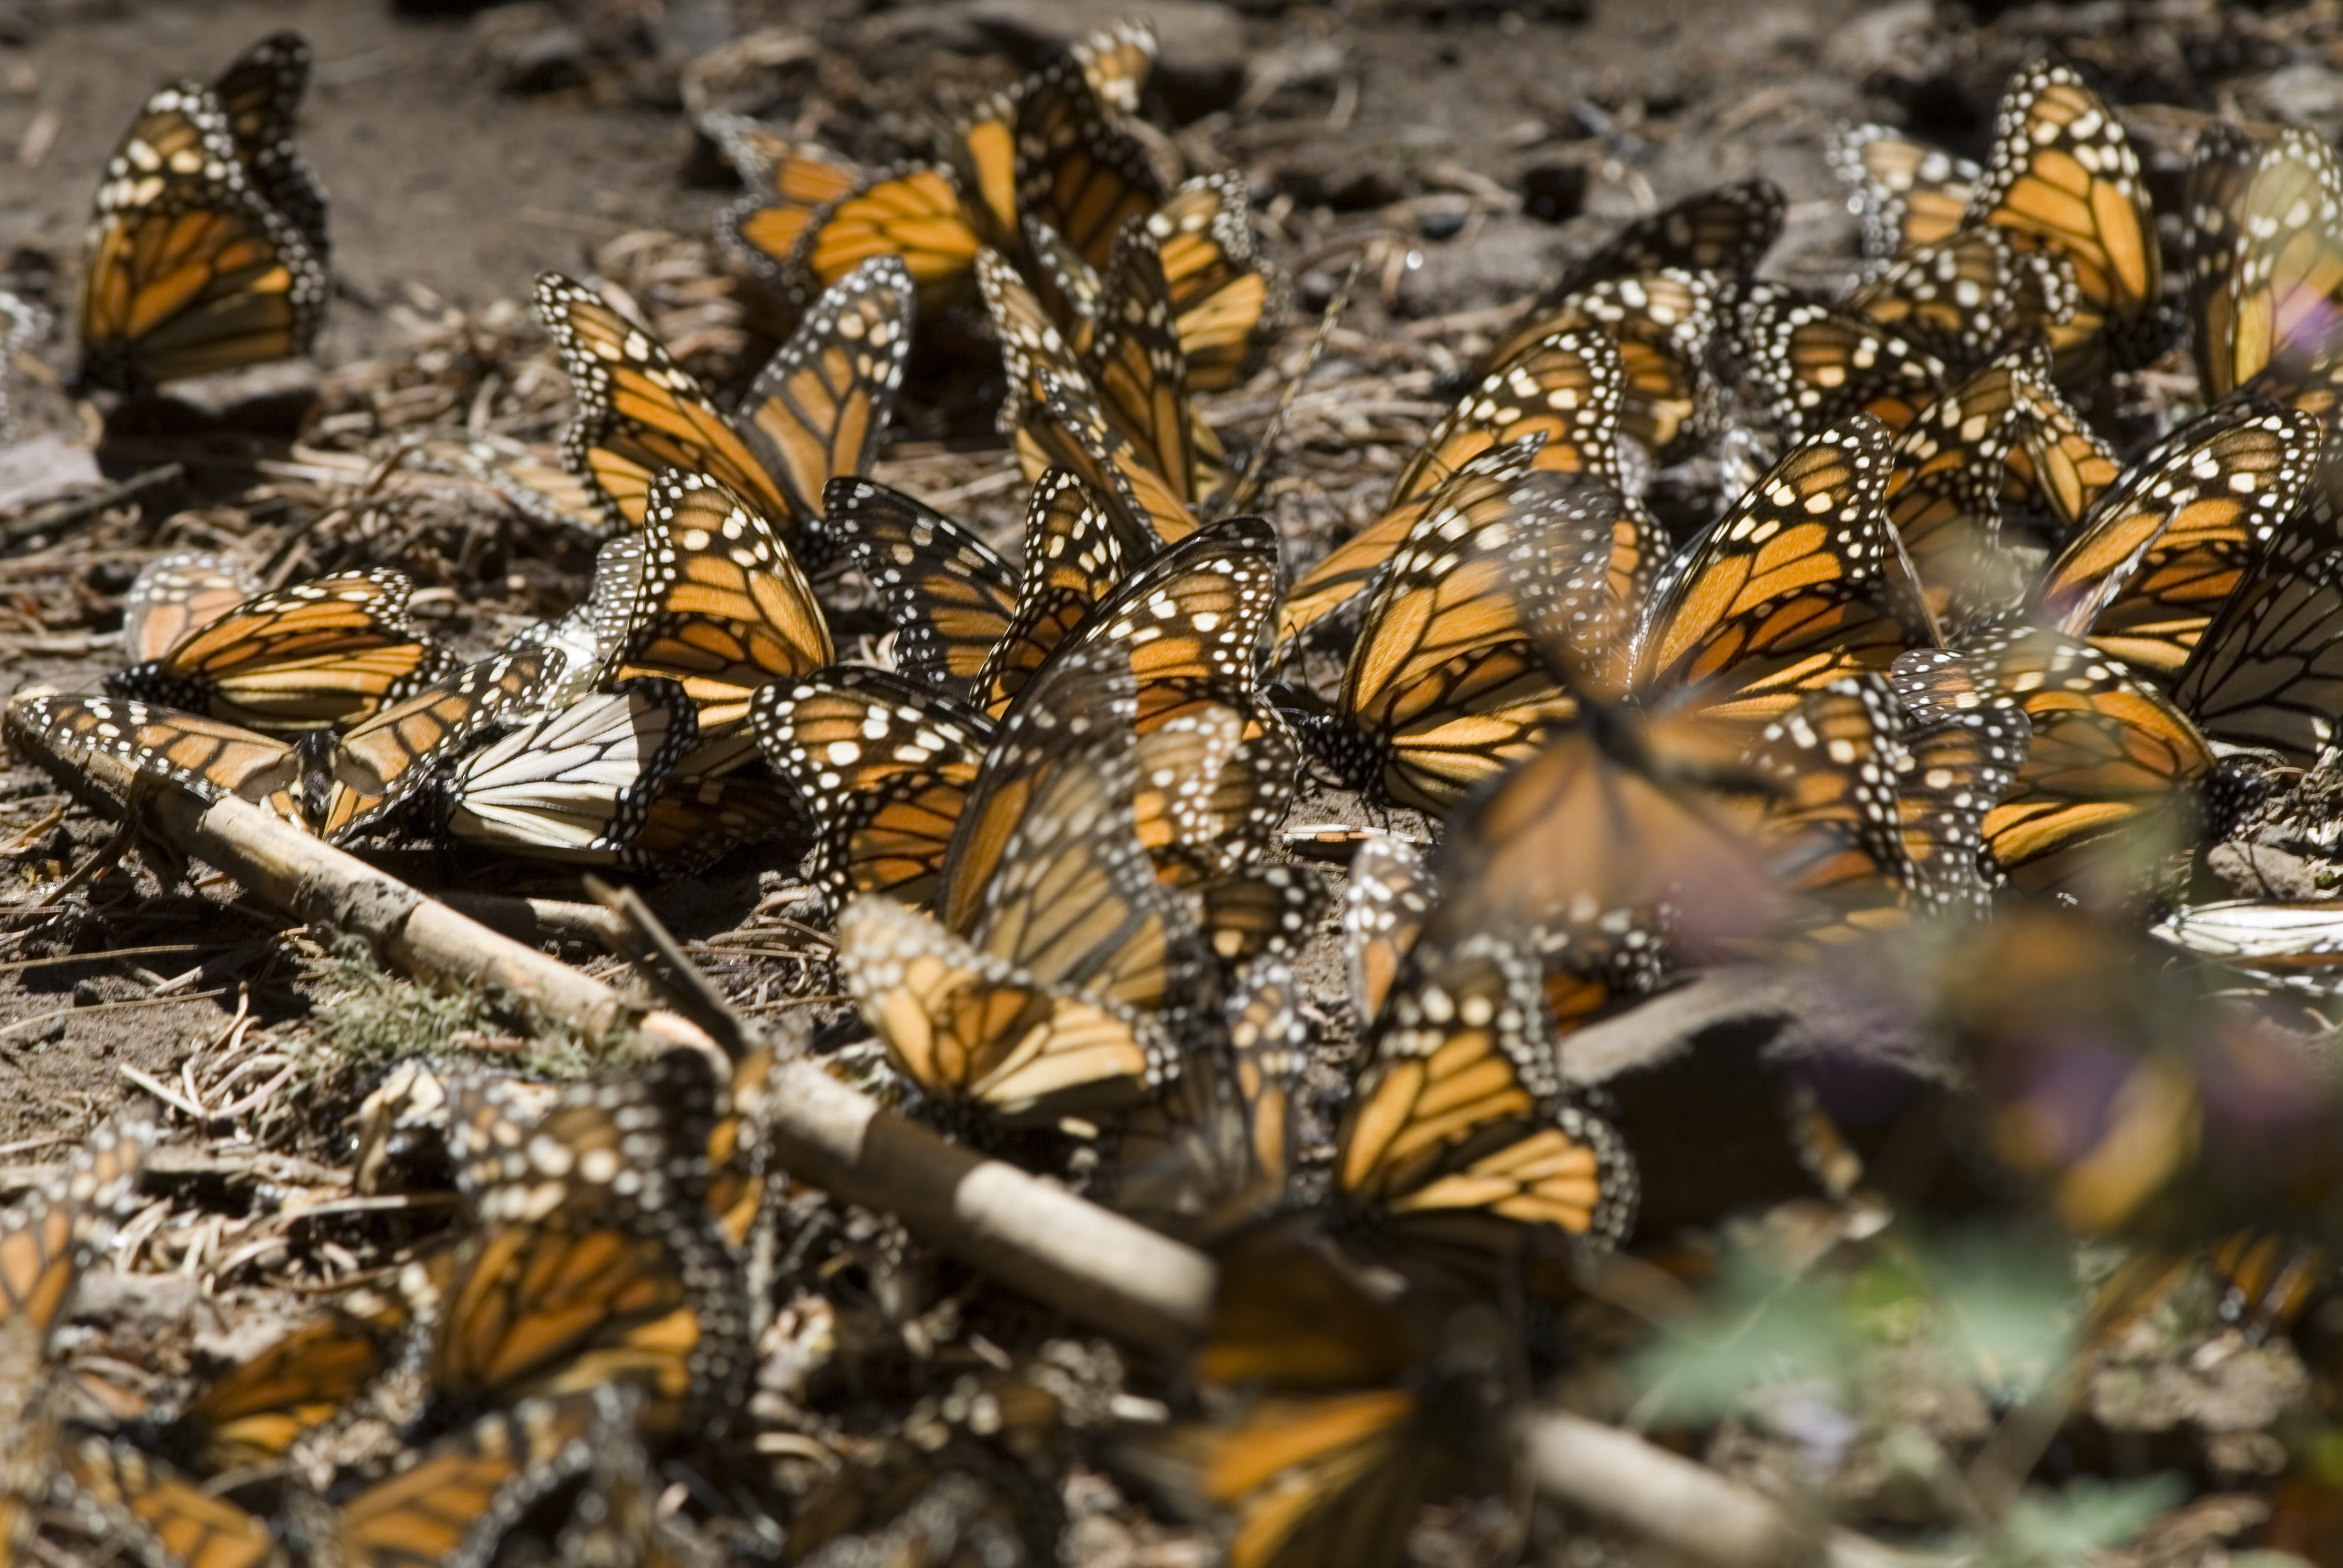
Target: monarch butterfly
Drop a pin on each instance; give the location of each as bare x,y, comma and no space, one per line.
1726,230
1443,688
2268,672
1077,170
1228,300
1813,366
1873,823
316,656
950,596
178,593
1217,770
382,763
173,1520
1136,363
1566,388
2296,943
1970,298
1050,145
1186,624
2062,175
2111,771
214,759
1664,326
191,270
1959,762
47,1239
787,181
1907,194
1943,495
1217,1149
261,97
595,1261
463,1495
2212,210
1065,428
2271,319
1389,897
2061,467
1342,1405
1802,582
1043,1011
883,764
2146,572
1073,563
719,798
816,410
50,1235
254,1411
722,608
1458,1147
576,785
1061,418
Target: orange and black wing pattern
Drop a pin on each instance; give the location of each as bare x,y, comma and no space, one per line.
593,1259
1665,326
1804,581
1907,194
380,764
2112,772
1073,563
1229,300
1810,366
2268,672
722,608
1943,491
819,407
1970,298
884,765
1445,686
261,97
951,597
178,594
1564,392
212,758
2158,557
2063,176
640,412
320,654
1077,170
191,270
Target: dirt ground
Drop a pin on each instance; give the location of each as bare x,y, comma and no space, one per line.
466,150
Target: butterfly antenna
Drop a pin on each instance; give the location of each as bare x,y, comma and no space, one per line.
1241,498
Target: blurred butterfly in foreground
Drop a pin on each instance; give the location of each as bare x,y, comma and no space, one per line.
206,249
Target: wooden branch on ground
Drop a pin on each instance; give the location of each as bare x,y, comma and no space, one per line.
1682,1505
1031,1234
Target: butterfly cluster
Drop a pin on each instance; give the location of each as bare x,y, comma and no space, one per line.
1949,686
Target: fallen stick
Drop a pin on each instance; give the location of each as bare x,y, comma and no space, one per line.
1031,1234
1682,1505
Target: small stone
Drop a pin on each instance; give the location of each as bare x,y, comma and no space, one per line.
1553,193
85,993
